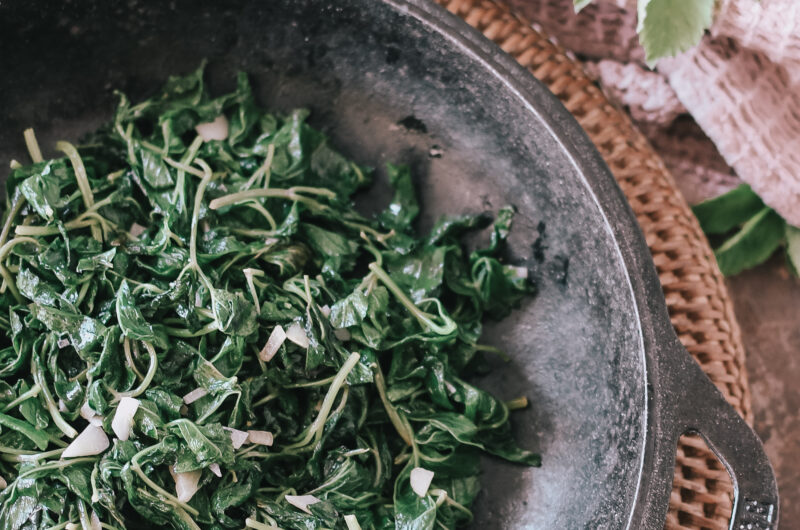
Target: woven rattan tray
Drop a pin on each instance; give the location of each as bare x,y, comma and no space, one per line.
698,302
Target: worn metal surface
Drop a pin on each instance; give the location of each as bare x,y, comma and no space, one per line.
395,81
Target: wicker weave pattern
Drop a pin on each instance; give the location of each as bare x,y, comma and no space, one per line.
700,309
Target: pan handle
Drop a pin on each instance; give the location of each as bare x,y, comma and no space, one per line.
702,409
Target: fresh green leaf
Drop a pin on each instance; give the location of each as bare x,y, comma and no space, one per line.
752,244
793,248
722,214
669,27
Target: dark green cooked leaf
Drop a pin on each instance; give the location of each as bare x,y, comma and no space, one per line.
272,339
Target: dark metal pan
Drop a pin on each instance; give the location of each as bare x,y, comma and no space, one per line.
610,385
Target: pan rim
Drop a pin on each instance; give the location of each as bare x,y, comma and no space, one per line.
643,286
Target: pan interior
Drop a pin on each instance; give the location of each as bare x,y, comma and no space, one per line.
387,87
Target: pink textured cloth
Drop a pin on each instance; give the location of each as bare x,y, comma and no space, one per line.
741,85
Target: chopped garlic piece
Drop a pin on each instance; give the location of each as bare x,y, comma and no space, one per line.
297,334
352,522
136,230
274,343
186,484
421,480
94,522
302,501
123,417
520,272
87,413
260,437
194,395
92,441
238,438
213,130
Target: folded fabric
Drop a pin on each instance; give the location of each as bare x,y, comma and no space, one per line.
741,84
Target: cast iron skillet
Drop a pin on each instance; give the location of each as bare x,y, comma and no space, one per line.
401,80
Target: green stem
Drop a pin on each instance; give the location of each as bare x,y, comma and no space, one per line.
82,293
179,190
148,377
23,427
444,498
198,202
248,277
185,333
16,206
58,464
15,451
12,286
399,424
83,515
184,167
325,192
33,146
491,349
252,523
292,194
128,136
314,431
140,285
165,134
309,384
126,348
377,454
35,457
517,404
5,250
81,178
247,232
30,230
380,237
93,481
426,320
263,170
101,203
264,212
136,468
266,399
61,423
